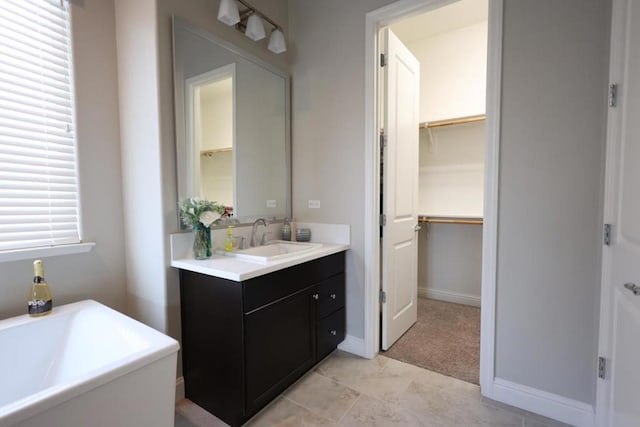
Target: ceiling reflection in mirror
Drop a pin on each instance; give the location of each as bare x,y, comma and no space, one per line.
232,126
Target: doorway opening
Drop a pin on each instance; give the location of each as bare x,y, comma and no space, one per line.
210,112
432,95
455,205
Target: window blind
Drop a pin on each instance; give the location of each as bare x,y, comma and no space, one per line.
38,171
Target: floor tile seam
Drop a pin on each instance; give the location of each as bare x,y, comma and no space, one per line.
361,392
339,382
308,409
349,410
395,406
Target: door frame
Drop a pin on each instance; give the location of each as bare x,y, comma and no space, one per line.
376,19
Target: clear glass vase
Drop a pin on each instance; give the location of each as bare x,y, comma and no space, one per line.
201,242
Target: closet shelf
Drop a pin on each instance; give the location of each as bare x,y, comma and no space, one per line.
211,153
451,122
448,220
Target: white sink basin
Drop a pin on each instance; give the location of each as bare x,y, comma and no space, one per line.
276,249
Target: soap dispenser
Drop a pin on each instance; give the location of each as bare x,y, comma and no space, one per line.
286,230
228,243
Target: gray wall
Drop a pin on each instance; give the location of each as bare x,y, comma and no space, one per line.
555,65
450,262
551,161
327,60
99,274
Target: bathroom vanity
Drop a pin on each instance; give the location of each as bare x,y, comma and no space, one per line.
245,341
255,321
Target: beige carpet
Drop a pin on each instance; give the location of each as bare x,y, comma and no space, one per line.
445,339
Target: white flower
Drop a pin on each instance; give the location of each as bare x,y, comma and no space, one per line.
191,211
208,217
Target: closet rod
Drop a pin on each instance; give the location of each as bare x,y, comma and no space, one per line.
211,153
432,220
451,122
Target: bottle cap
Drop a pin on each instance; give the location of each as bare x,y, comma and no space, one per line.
38,269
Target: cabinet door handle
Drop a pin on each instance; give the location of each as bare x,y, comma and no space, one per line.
316,296
332,296
333,332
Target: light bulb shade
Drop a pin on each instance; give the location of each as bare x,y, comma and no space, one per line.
276,42
255,28
228,12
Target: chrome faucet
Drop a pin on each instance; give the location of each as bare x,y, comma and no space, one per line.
256,223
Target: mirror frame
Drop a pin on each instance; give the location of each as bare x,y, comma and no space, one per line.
182,146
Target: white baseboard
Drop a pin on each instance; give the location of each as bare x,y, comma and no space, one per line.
449,296
179,389
353,345
544,403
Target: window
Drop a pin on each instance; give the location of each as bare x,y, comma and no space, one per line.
38,167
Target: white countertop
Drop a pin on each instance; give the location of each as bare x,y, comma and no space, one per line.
236,269
228,267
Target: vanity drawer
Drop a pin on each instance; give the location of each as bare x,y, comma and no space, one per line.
330,333
330,295
274,286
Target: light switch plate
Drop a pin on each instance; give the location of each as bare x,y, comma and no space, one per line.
271,203
314,204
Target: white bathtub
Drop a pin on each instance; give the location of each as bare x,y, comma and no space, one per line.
85,365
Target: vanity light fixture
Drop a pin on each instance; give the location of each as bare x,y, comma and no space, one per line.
228,12
276,42
255,28
251,22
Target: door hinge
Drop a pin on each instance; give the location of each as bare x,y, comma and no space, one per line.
606,238
602,367
383,220
383,297
613,95
383,60
383,140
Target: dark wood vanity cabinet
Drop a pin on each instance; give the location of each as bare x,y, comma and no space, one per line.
243,343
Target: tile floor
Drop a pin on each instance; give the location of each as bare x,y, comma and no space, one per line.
346,390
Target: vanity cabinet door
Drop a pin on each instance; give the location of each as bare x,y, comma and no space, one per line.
280,345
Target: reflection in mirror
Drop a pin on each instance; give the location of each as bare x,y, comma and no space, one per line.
232,126
212,97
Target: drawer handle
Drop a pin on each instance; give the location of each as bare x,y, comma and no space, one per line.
333,332
316,296
332,296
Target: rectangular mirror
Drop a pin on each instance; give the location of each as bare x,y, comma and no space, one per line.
232,126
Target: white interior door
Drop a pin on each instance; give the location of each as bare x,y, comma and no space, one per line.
401,77
619,391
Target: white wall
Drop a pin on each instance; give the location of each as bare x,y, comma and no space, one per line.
99,274
451,177
142,173
216,115
216,177
553,131
453,73
216,124
451,184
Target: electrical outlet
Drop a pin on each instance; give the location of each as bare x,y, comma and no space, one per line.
271,204
314,204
